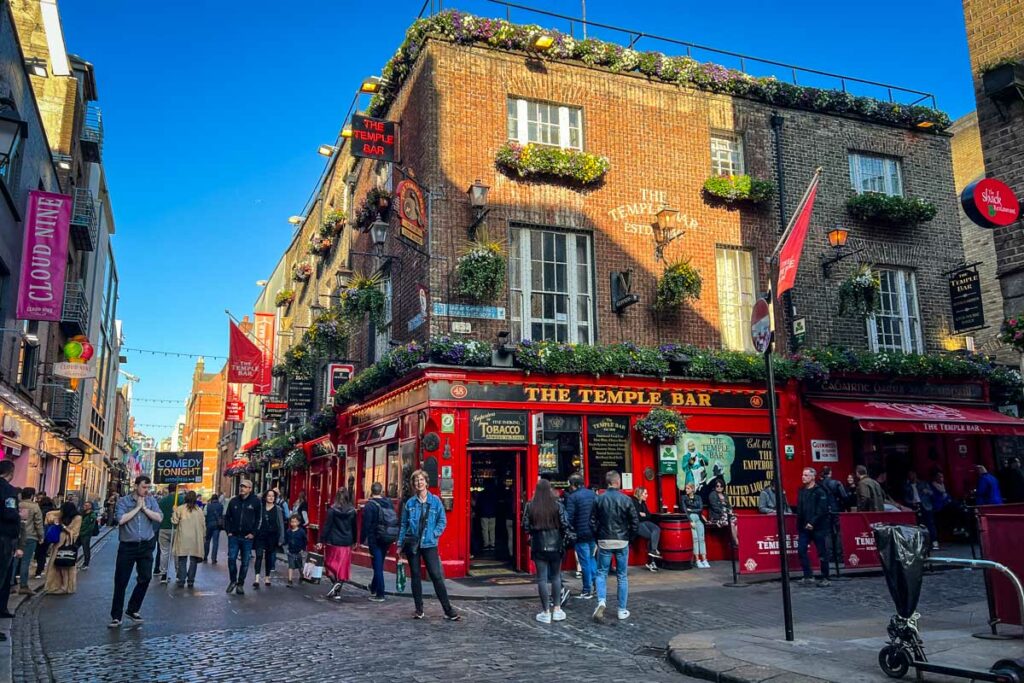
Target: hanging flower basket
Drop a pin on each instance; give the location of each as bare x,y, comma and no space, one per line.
738,189
377,204
301,272
334,223
362,298
284,297
1012,332
661,425
321,246
296,459
679,283
860,293
480,271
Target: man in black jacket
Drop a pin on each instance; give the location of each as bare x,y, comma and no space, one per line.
578,508
373,512
813,520
10,530
241,520
615,522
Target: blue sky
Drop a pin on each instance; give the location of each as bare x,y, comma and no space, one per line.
214,110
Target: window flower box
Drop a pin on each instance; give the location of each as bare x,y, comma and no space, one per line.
890,210
738,189
284,297
1002,78
334,223
543,162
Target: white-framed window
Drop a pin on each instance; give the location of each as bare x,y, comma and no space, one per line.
383,333
875,173
737,292
545,124
726,154
896,326
551,286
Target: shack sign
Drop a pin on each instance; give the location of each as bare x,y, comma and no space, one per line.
990,203
374,138
965,300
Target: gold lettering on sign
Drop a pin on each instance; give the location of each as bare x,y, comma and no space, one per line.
637,217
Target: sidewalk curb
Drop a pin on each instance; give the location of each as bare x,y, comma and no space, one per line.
696,655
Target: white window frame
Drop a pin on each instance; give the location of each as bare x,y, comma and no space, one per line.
735,329
736,162
889,187
522,123
908,315
383,334
523,316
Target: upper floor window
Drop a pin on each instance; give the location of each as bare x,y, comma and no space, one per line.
383,333
875,173
736,295
726,154
896,325
544,124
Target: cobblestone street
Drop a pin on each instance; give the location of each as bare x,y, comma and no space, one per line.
207,635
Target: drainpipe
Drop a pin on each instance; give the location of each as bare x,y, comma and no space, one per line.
788,313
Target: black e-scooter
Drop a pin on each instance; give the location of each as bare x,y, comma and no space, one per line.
902,551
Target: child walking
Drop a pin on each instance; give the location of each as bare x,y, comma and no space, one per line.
295,542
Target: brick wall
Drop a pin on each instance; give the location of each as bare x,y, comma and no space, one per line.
995,31
453,115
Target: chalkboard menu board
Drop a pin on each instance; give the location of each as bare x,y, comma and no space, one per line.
607,447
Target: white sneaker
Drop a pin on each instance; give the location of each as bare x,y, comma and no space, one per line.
599,611
558,614
623,613
704,564
544,617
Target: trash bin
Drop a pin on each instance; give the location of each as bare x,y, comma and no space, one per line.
902,552
676,541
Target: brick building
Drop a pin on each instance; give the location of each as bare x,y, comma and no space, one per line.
204,415
995,34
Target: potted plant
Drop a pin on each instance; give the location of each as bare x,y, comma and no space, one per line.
480,270
1012,332
678,357
320,246
737,189
362,298
301,272
284,297
382,200
678,283
334,223
1004,76
660,425
859,293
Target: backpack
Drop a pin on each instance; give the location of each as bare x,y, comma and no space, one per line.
387,527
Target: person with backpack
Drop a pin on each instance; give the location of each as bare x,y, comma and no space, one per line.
380,530
545,522
31,535
214,523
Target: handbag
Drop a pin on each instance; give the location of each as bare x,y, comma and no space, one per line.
313,568
66,556
399,576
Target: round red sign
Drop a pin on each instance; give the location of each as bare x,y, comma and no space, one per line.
760,326
990,203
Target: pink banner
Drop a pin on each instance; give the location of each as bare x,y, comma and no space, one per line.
264,330
858,539
44,256
759,545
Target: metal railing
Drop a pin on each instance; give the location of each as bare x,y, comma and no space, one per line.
63,405
92,130
75,313
84,220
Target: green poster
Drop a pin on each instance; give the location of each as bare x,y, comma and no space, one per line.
668,459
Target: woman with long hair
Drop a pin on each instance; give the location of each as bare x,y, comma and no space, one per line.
721,511
337,538
692,505
189,538
647,529
62,578
545,521
269,538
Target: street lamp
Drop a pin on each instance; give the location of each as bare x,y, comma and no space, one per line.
12,129
326,150
371,86
837,237
346,132
664,233
379,233
478,200
296,220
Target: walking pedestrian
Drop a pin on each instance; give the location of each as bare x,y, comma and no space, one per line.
380,530
615,525
214,523
167,505
423,522
918,496
31,535
721,511
295,542
10,535
111,506
692,505
242,520
337,537
137,515
46,506
90,528
190,530
647,529
62,574
579,508
870,496
545,522
812,521
268,539
301,509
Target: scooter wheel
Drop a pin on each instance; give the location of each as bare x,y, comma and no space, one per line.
894,661
1013,670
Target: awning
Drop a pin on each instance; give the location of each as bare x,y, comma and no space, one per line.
249,445
924,418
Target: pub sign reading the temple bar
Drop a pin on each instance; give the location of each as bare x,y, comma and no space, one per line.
374,138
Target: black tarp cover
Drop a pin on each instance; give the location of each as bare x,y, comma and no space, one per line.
902,551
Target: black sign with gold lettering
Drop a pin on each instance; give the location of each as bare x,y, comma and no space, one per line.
498,427
607,447
965,300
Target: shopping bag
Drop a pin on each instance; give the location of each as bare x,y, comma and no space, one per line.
400,577
313,568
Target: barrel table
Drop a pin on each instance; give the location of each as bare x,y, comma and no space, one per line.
676,541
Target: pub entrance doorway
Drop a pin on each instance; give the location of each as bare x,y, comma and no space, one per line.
497,485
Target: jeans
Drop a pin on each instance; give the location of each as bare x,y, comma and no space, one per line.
697,530
377,584
165,550
819,543
487,531
212,543
652,532
24,564
435,571
549,575
238,544
189,573
266,558
604,563
86,543
41,551
138,556
588,564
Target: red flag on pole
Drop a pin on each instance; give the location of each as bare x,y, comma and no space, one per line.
789,257
245,360
264,330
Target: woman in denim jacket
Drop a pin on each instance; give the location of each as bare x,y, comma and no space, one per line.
423,522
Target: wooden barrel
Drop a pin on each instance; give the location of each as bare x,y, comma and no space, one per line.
676,542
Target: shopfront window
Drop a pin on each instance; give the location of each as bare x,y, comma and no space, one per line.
561,450
374,467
